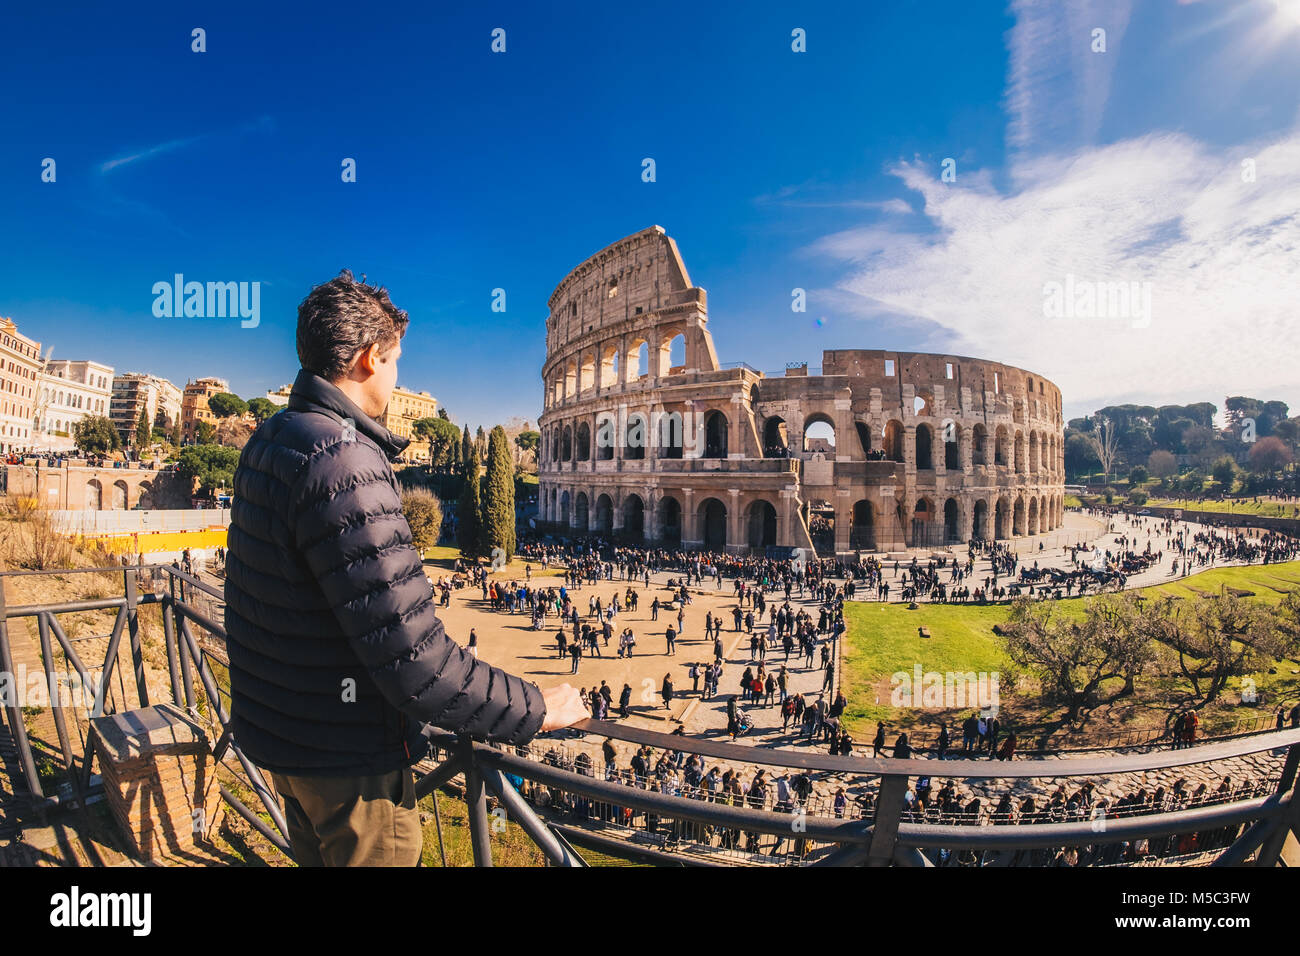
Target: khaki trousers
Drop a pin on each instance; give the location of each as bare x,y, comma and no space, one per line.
352,821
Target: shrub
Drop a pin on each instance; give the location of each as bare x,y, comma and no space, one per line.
423,513
1137,497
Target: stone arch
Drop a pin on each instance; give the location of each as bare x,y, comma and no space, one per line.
670,351
951,521
952,438
1032,527
715,434
761,524
637,359
566,444
864,438
713,524
669,518
924,523
669,434
564,508
893,440
571,378
1001,446
637,437
581,512
812,432
979,452
609,362
923,402
606,436
634,517
1020,452
1002,519
145,501
980,520
586,371
776,438
582,447
94,495
1018,517
604,523
1033,451
121,494
862,532
924,440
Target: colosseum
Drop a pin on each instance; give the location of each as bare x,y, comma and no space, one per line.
647,438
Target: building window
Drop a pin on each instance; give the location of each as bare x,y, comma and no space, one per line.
889,368
948,369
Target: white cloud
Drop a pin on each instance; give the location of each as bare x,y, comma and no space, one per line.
1222,258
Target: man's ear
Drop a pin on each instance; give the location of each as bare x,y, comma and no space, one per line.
368,360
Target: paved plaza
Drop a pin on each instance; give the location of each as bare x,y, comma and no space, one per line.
509,641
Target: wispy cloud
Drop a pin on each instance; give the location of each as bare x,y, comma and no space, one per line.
260,124
152,151
1222,257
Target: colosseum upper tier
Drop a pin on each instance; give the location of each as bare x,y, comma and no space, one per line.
881,451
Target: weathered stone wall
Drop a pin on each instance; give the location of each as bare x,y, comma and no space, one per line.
928,449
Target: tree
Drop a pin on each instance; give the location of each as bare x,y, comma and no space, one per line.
1162,464
480,442
95,435
205,433
442,437
528,441
498,529
143,432
465,445
1215,638
442,413
262,408
1105,442
213,466
1269,455
1080,454
1073,658
423,513
225,405
1224,471
467,509
176,433
1138,474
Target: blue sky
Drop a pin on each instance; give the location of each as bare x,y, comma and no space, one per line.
775,170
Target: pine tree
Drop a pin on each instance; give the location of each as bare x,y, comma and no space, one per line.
499,498
467,510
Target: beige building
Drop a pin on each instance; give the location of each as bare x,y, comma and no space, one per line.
280,396
646,439
20,370
69,390
405,408
194,406
133,391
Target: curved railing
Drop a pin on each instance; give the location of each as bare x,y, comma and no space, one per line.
552,790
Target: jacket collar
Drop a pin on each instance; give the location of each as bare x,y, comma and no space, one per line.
311,393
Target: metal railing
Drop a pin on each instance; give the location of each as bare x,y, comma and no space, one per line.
552,789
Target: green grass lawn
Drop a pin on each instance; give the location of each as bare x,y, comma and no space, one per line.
883,640
1244,506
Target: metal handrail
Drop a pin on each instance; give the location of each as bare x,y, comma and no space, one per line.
888,836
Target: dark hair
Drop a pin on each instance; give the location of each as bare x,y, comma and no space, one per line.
342,317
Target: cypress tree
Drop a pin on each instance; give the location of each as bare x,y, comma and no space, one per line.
465,444
142,429
499,497
467,510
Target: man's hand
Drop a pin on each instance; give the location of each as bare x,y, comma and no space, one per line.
564,707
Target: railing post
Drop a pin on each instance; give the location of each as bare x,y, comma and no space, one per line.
14,709
480,833
133,629
56,703
1288,818
889,811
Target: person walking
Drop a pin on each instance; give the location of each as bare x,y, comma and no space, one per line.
667,691
575,652
473,642
671,636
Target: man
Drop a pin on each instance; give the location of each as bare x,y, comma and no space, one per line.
337,657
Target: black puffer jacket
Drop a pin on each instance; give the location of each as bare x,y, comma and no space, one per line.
337,658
